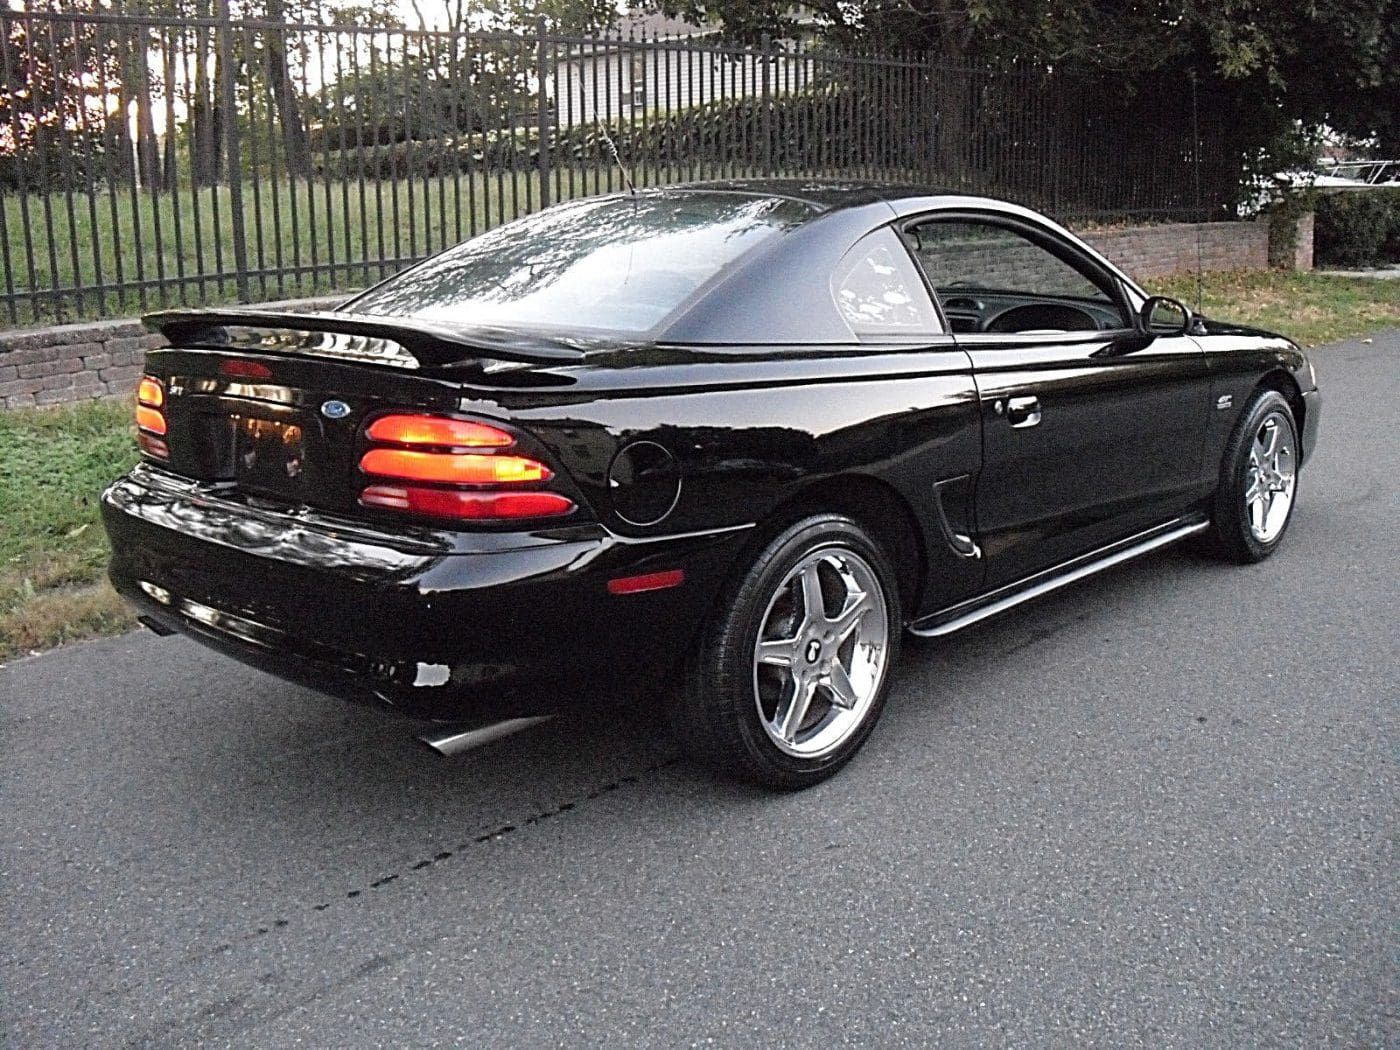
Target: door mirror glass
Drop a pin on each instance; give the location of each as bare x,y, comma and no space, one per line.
1163,316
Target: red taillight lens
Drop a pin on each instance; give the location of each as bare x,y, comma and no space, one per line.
469,506
454,468
152,445
150,420
439,431
150,392
439,451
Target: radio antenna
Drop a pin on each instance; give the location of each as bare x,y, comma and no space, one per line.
1200,207
617,159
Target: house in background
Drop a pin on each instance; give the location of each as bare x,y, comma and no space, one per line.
660,65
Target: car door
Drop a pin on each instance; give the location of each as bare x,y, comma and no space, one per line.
930,435
1088,434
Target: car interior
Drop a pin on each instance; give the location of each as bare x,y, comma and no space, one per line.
991,279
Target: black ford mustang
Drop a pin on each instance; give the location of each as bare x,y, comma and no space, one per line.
738,437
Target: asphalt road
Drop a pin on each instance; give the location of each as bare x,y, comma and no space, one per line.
1158,809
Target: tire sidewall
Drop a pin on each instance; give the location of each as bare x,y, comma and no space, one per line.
1231,517
808,536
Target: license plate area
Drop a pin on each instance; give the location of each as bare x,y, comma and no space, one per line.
269,455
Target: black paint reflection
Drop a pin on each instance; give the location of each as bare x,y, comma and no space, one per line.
618,264
279,539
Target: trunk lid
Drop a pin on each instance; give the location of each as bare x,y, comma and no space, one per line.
273,406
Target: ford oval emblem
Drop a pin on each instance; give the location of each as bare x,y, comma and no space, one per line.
335,410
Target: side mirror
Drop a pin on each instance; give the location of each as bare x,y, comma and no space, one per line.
1163,316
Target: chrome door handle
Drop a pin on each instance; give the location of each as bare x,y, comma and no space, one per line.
1023,411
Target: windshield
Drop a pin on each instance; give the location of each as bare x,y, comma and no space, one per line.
617,264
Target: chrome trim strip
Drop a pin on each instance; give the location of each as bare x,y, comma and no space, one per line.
618,537
1086,565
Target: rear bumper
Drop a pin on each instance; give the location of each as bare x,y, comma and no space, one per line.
437,625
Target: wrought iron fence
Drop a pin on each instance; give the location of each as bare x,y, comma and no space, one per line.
146,162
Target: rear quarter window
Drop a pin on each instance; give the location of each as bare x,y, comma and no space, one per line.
879,292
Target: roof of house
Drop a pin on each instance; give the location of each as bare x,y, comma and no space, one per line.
653,23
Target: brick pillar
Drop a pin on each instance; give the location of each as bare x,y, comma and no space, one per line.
1303,250
1290,238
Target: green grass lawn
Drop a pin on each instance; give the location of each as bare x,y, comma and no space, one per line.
53,551
1310,308
78,239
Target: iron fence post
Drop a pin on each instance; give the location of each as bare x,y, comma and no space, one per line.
231,149
725,110
542,100
766,104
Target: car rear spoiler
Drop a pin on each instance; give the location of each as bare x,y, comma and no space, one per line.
431,343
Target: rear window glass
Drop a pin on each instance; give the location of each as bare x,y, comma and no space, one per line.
619,264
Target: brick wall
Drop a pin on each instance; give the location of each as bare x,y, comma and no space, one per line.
1148,252
79,362
76,362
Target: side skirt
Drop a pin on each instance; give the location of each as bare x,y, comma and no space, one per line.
993,603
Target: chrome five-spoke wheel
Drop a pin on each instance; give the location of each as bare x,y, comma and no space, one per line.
792,669
1271,478
1258,480
822,652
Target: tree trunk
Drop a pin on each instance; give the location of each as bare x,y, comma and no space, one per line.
147,148
953,98
171,170
295,144
205,154
117,132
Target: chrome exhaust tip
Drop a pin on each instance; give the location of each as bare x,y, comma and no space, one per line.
457,740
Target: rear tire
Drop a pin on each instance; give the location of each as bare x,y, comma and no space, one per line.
1258,481
792,671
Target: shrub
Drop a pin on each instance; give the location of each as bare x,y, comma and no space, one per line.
726,132
1358,228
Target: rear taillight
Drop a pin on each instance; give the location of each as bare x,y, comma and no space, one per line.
439,431
150,419
473,506
454,468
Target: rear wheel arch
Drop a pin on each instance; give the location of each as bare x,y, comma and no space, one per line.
874,505
877,507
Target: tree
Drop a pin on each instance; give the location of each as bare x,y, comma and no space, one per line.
295,147
55,124
1333,62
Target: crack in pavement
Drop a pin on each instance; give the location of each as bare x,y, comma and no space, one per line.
442,855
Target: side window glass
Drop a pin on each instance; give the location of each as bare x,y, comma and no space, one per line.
879,292
1008,281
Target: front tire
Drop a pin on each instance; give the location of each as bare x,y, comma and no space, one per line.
792,671
1258,481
